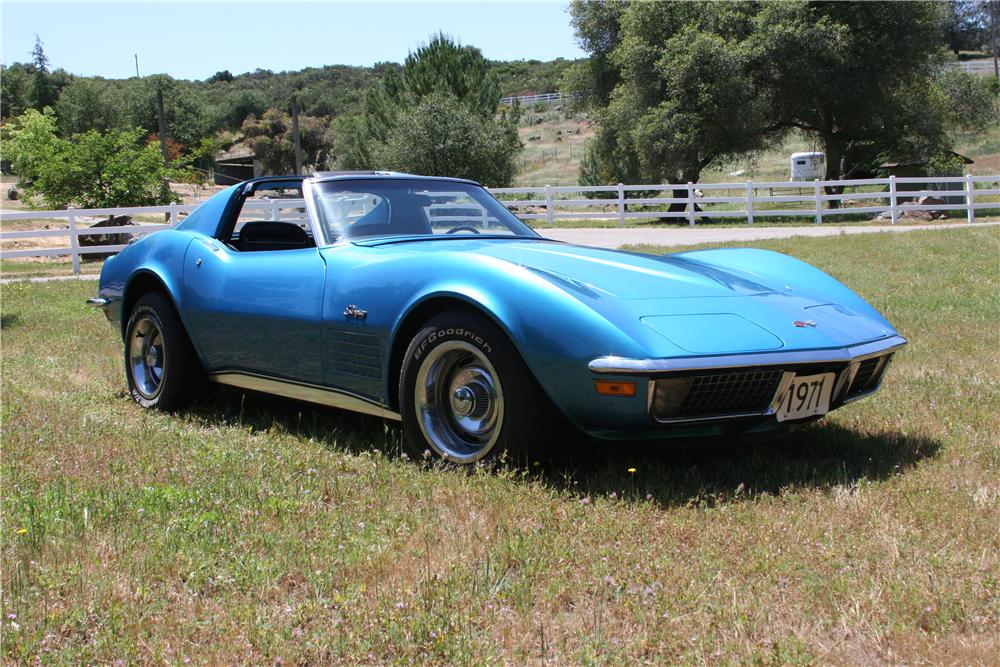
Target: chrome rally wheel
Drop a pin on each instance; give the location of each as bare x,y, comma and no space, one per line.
459,401
466,395
146,356
161,367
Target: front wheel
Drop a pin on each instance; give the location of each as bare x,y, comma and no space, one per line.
161,367
466,395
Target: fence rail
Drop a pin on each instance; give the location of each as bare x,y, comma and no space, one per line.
973,66
754,201
532,99
895,196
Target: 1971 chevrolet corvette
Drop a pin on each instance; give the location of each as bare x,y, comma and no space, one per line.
425,300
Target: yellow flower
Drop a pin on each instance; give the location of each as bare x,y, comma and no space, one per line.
22,531
631,471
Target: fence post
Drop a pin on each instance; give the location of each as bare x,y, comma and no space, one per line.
749,202
819,202
970,199
893,209
173,214
74,240
621,204
690,203
549,217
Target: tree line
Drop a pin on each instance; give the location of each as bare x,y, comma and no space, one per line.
673,88
677,88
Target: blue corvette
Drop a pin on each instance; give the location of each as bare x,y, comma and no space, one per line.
425,300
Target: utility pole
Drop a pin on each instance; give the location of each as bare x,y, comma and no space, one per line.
295,135
136,65
994,8
165,187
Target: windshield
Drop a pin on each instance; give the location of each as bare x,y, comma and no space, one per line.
353,209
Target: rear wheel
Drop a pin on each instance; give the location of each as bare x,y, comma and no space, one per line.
161,367
466,395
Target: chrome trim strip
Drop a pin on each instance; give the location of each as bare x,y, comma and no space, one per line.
98,301
625,366
305,392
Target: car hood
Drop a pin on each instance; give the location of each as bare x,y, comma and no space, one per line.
628,275
699,307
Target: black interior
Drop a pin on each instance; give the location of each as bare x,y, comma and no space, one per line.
269,235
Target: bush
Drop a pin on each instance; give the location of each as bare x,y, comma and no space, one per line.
443,137
972,99
90,170
270,138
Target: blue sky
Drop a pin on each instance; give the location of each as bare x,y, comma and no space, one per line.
193,40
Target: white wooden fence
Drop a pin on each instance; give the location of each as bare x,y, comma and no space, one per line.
809,199
269,210
755,201
973,66
532,99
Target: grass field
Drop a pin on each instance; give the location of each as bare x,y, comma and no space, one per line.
256,530
554,148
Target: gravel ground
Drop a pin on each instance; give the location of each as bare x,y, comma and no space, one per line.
615,238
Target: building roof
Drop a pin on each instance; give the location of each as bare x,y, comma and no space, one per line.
913,161
237,153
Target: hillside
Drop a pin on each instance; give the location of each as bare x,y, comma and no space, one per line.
554,146
328,91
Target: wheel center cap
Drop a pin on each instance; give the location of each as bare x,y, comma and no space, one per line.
463,400
152,355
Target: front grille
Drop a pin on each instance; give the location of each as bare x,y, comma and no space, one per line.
715,394
867,377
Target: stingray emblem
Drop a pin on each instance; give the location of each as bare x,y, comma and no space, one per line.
355,312
804,323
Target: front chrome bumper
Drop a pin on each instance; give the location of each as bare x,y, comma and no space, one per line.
847,361
626,366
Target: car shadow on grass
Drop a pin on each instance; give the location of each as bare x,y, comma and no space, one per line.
822,455
334,429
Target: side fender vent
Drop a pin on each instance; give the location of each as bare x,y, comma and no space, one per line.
354,353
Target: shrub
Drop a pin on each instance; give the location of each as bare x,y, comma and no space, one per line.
90,170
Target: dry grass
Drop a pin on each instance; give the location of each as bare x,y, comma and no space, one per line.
250,529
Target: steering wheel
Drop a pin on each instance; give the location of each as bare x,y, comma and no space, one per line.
462,228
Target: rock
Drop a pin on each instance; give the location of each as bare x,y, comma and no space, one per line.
934,201
906,213
12,194
108,239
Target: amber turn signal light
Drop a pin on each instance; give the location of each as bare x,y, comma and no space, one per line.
614,388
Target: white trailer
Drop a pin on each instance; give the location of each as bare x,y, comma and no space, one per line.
808,166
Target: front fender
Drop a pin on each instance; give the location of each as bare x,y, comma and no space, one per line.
556,332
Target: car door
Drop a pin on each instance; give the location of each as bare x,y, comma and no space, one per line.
257,310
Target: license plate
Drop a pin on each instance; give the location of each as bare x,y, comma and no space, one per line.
806,396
